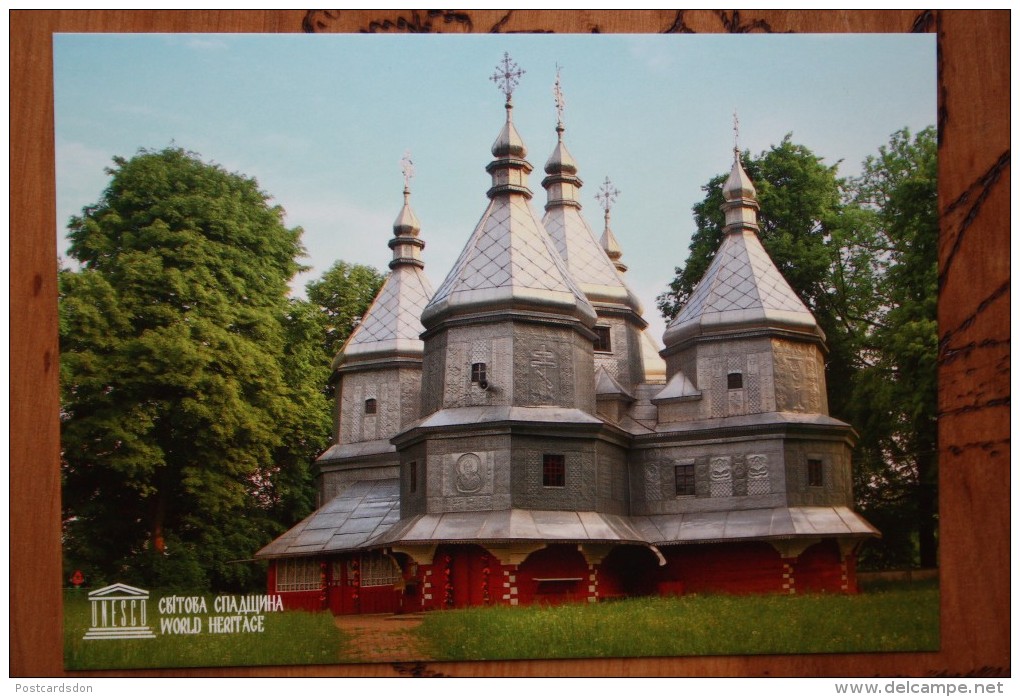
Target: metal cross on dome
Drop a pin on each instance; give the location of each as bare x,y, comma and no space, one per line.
558,96
407,167
509,77
607,195
736,133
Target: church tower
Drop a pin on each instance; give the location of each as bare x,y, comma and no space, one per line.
623,352
508,340
378,369
745,356
744,337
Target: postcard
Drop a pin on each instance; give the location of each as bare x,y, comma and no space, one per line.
412,348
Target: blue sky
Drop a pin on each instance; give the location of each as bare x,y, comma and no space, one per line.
322,121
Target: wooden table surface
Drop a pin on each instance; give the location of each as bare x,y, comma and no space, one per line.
974,173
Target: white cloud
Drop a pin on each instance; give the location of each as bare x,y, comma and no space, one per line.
205,42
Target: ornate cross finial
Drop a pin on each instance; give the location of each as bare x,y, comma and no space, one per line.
607,195
407,167
736,134
507,80
558,96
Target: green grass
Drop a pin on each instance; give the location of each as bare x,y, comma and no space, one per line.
892,618
885,617
289,638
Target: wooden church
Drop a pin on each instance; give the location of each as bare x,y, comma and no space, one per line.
517,437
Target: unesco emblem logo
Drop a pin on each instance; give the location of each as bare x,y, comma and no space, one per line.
119,612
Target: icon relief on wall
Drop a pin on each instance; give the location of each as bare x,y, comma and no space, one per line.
469,475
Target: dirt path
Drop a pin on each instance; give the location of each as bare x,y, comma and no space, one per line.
382,638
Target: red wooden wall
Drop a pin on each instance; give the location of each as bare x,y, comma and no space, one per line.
467,575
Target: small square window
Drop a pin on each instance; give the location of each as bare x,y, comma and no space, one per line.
371,406
684,475
478,372
815,473
553,470
603,339
734,381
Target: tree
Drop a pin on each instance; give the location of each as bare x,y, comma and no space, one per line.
896,394
341,296
188,397
815,240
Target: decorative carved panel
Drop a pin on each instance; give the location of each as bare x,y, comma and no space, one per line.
467,474
653,486
758,475
544,375
469,477
721,477
801,385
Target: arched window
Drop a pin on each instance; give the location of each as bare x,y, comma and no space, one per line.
371,406
734,381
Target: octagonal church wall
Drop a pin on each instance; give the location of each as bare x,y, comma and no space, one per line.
526,364
723,475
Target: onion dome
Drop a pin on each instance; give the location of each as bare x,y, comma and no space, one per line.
561,162
738,185
509,142
612,247
406,224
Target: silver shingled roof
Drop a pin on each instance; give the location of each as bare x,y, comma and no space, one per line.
679,387
392,323
458,416
756,523
351,520
367,515
741,289
509,262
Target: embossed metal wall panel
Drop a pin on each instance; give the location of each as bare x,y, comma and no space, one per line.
469,473
579,490
837,484
739,475
799,377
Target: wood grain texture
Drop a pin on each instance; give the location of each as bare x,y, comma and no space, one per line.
974,174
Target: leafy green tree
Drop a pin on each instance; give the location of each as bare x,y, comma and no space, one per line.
341,297
189,407
896,394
